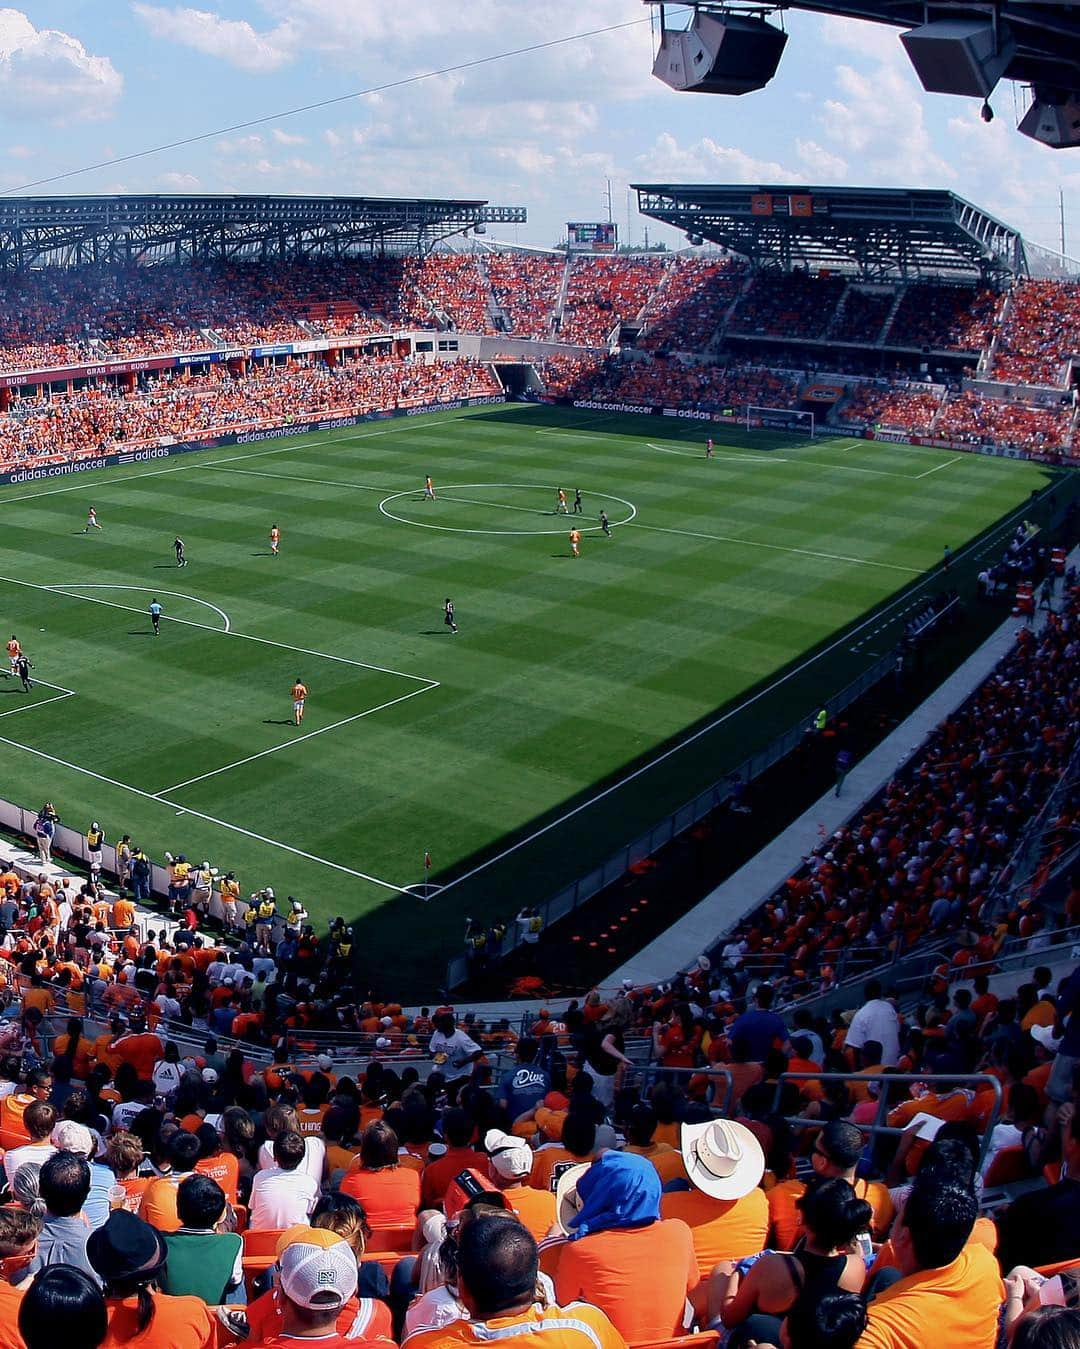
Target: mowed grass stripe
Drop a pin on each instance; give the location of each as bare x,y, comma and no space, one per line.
563,675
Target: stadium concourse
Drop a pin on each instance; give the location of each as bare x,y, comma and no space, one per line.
208,1126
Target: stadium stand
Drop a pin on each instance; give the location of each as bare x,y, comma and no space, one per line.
789,305
603,291
526,288
1039,335
943,318
971,419
894,406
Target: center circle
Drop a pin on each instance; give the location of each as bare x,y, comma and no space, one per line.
518,499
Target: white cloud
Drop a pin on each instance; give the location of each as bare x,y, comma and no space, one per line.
50,74
234,41
287,137
20,152
822,163
180,182
708,161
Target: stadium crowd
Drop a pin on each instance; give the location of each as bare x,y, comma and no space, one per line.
789,305
944,317
1039,334
185,406
602,291
892,405
189,1160
967,417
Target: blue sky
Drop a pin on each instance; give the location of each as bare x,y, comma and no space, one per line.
86,80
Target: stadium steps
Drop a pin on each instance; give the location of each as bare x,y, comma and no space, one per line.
560,303
883,336
984,370
498,318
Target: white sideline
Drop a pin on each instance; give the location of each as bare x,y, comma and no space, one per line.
1002,527
30,707
200,815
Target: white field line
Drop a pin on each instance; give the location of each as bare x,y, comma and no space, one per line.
782,548
288,744
60,694
290,477
938,467
206,627
183,468
210,819
774,684
735,458
176,594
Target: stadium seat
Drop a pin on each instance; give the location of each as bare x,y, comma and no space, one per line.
1009,1166
389,1239
259,1253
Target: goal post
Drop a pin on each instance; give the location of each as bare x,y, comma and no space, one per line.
779,419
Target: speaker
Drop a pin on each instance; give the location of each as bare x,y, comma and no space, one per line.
1053,119
959,56
720,54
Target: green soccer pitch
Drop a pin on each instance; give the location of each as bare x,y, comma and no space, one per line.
733,595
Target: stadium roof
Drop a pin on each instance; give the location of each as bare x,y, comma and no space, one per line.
1046,32
879,234
75,230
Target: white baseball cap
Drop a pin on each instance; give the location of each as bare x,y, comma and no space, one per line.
318,1277
509,1157
70,1136
209,1076
325,1062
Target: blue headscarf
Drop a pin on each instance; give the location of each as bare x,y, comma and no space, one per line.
620,1189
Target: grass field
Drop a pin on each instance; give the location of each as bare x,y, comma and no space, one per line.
719,599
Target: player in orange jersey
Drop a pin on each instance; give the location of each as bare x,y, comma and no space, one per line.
429,489
299,693
560,502
14,651
275,539
575,542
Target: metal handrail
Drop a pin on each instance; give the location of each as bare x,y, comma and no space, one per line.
654,1072
884,1080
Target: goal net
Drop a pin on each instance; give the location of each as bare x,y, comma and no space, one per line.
779,419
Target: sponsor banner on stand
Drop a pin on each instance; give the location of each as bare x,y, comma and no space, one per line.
145,453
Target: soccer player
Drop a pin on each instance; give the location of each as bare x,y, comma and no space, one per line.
560,502
155,617
23,666
91,521
299,693
577,501
448,611
275,540
178,546
575,542
605,523
14,652
708,448
429,489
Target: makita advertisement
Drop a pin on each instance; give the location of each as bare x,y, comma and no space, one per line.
43,472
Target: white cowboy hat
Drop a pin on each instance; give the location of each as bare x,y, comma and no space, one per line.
723,1159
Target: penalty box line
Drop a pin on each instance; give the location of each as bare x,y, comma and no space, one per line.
201,815
57,697
288,744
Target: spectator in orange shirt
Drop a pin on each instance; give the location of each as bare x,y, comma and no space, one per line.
128,1256
388,1193
123,1156
510,1162
459,1156
837,1150
619,1254
158,1206
77,1047
139,1047
728,1215
39,996
640,1139
550,1161
497,1280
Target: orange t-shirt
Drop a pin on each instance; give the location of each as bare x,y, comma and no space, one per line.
548,1165
225,1169
179,1322
721,1229
439,1173
534,1208
142,1051
10,1300
390,1197
82,1058
123,913
637,1276
158,1207
570,1327
134,1188
957,1304
785,1220
360,1319
666,1159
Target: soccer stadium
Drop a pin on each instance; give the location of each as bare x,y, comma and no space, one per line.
514,824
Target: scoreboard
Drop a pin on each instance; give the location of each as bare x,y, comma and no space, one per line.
598,237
